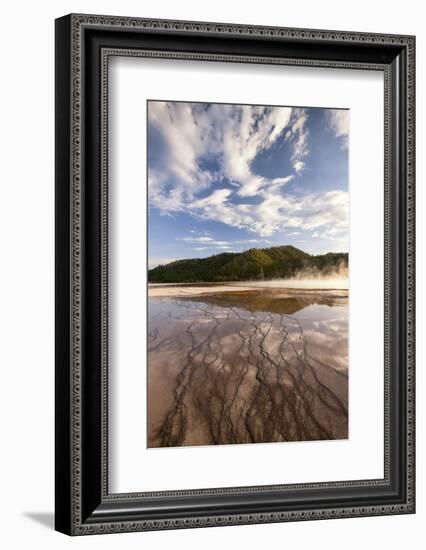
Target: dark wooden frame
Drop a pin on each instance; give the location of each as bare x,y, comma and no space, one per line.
83,46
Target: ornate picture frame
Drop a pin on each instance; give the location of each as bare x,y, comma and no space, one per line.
84,45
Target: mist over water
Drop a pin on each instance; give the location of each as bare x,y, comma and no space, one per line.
335,279
320,283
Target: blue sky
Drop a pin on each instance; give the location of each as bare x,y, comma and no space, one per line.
225,178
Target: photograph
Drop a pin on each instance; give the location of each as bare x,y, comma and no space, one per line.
248,273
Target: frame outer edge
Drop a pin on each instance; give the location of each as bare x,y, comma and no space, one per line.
77,22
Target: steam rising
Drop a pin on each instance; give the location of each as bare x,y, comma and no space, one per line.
333,279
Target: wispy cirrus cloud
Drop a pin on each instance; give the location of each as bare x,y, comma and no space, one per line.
233,135
298,135
205,240
338,121
225,248
196,239
211,244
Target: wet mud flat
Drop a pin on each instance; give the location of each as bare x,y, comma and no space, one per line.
247,366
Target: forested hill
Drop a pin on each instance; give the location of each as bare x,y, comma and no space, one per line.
254,264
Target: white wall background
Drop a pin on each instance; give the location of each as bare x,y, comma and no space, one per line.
26,288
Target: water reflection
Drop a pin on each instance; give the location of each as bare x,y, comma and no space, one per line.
247,367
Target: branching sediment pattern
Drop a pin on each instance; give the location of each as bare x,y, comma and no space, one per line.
224,374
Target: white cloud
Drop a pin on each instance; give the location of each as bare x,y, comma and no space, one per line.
218,197
298,135
338,121
282,181
234,135
277,212
253,241
247,131
210,243
298,165
196,239
218,247
309,212
205,240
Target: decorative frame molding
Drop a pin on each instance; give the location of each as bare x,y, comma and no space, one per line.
84,44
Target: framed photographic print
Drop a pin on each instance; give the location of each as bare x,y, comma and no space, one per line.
234,274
